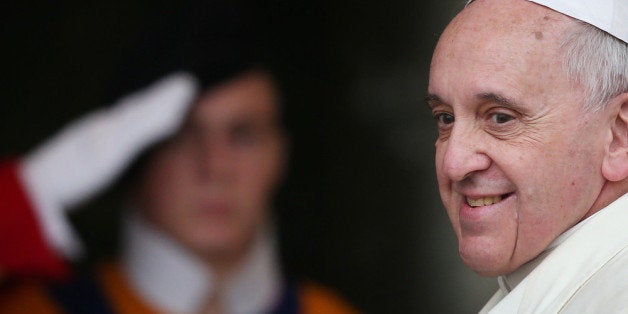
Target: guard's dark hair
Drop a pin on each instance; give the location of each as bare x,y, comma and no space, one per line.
215,40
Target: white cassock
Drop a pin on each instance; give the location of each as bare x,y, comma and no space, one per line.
585,270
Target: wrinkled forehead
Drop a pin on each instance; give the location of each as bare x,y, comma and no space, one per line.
610,16
510,18
509,31
508,47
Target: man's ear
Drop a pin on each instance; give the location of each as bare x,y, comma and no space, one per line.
615,164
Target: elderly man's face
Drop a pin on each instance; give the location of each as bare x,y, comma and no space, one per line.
518,161
211,185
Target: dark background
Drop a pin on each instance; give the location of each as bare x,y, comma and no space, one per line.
360,210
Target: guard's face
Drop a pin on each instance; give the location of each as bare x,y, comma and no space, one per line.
518,161
211,185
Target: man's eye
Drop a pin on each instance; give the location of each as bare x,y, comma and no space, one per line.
500,118
444,118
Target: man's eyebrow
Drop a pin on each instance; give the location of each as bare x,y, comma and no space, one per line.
499,99
432,99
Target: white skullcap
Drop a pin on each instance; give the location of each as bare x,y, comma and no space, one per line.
610,16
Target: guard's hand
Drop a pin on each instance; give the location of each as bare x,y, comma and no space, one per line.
89,154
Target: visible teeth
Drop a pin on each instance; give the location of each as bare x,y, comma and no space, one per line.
484,201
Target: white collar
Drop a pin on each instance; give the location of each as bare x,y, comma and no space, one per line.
171,278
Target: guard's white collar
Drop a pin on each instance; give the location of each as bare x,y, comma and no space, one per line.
171,278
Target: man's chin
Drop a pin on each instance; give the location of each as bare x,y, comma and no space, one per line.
489,272
486,265
217,245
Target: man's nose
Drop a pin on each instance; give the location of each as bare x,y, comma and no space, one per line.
215,159
465,152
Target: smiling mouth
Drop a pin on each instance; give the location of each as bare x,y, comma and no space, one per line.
485,201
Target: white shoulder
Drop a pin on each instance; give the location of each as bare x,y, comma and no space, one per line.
604,292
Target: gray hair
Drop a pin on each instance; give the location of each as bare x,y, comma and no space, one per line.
597,61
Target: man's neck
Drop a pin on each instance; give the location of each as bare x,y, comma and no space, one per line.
611,190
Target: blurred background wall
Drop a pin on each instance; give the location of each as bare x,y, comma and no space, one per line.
360,209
